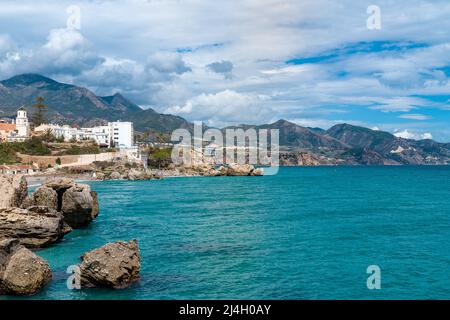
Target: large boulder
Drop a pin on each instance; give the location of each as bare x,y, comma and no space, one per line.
115,265
35,227
60,184
44,197
21,271
79,206
13,190
77,203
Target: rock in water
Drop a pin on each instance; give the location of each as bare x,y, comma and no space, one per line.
35,227
240,169
43,196
95,206
115,265
258,172
78,206
13,190
21,271
77,203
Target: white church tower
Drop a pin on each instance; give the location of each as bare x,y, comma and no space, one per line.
22,124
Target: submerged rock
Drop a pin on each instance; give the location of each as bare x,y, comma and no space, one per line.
13,190
35,227
115,265
21,271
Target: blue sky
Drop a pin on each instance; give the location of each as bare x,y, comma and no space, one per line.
250,61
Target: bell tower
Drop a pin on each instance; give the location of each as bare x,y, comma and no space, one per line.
22,124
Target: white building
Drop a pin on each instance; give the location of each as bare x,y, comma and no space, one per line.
22,124
122,134
22,127
116,134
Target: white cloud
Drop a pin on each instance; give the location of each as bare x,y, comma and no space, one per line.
407,134
155,52
60,40
66,52
415,116
225,107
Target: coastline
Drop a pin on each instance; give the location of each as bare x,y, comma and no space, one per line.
37,179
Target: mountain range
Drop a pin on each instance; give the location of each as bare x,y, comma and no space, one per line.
70,104
341,144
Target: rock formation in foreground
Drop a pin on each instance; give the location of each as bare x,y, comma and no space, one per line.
76,201
115,265
35,227
21,271
13,190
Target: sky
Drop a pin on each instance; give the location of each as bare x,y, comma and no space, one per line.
316,63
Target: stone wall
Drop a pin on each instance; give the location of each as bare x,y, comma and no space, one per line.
67,161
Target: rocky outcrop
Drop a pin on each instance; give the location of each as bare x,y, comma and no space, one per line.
13,190
208,171
113,176
121,170
35,227
134,174
21,271
77,203
203,170
241,170
115,265
300,159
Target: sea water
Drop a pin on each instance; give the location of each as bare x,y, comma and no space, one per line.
305,233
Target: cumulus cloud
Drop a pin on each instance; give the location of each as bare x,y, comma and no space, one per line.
225,107
66,52
407,134
307,57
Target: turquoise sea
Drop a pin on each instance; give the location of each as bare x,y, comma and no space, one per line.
305,233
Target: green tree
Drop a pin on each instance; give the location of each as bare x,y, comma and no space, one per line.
39,113
48,136
160,158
